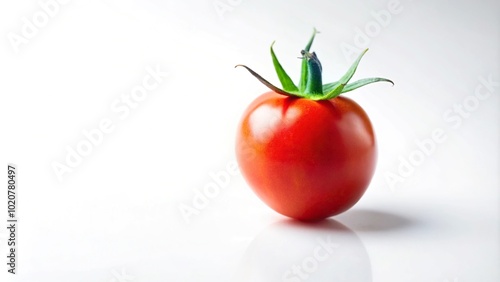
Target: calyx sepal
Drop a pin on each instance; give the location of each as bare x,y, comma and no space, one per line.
310,84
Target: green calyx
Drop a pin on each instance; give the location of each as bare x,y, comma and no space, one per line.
310,84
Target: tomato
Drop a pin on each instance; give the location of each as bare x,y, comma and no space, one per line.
307,152
309,159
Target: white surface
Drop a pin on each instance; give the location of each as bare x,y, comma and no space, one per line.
116,216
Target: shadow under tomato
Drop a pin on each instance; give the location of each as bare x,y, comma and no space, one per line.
366,220
290,250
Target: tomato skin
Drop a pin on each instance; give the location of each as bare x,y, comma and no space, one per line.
306,159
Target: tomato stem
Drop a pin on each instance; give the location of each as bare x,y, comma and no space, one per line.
311,82
314,86
304,68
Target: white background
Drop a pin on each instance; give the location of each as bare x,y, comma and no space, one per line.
116,216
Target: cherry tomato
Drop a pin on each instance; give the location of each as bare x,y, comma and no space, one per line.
306,159
306,151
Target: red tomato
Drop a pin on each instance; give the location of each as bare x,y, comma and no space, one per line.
306,159
306,151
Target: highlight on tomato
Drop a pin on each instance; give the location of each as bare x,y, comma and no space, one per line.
307,151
